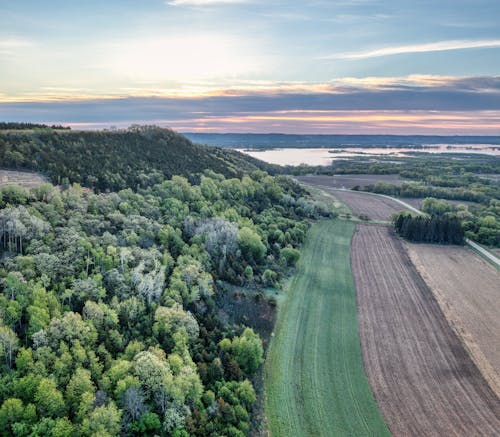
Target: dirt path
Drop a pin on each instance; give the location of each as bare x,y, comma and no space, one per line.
424,381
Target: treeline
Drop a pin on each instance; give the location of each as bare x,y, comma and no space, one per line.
440,229
26,126
104,160
413,190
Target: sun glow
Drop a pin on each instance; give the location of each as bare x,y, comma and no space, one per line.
182,58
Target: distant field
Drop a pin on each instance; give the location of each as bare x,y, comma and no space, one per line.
349,181
23,178
315,381
424,381
467,288
373,207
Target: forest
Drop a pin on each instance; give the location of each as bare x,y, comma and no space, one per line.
441,229
114,160
111,320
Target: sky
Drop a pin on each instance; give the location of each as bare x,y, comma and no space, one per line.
310,66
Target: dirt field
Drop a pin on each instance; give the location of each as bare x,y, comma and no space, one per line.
351,180
467,288
424,381
23,178
374,207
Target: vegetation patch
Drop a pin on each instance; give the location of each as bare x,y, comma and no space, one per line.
315,380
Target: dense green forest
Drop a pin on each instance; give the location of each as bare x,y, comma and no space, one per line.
114,160
108,303
140,307
28,126
442,229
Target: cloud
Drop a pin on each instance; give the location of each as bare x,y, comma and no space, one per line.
204,2
417,48
11,45
480,91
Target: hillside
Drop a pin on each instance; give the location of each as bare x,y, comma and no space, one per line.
107,160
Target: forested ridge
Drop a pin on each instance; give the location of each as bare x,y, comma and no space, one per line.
115,306
113,160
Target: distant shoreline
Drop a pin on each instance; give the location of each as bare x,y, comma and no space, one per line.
318,141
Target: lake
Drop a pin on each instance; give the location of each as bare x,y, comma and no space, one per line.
325,156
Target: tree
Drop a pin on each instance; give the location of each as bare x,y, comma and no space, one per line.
79,384
103,421
49,401
247,350
9,343
290,256
170,320
11,412
251,245
149,284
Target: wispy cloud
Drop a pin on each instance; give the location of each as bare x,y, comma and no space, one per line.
10,45
203,2
418,48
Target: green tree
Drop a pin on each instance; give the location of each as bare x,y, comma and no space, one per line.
247,350
251,245
49,401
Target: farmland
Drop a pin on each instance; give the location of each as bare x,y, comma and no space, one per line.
316,384
368,205
23,178
361,204
466,287
350,181
424,381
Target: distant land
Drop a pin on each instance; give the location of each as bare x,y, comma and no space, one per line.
269,141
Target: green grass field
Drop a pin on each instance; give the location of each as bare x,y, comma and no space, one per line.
315,381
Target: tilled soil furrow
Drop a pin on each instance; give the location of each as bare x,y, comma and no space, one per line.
423,379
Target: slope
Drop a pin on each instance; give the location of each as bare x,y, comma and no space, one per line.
113,160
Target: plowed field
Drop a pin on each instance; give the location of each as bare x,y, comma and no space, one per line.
424,381
374,207
468,290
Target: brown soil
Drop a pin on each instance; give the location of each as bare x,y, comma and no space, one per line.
424,381
349,181
467,289
373,207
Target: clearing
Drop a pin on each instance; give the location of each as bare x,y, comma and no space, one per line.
315,381
467,288
424,381
23,178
